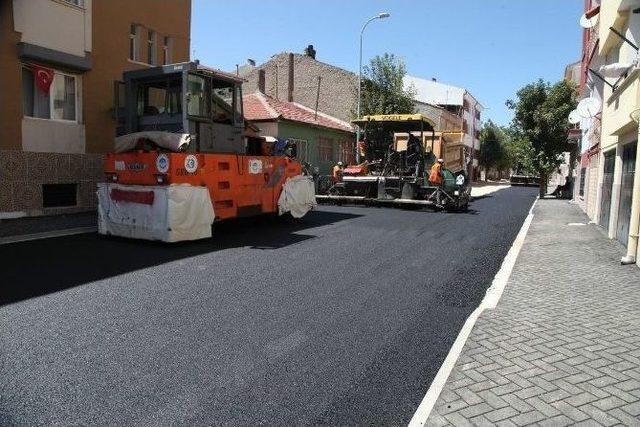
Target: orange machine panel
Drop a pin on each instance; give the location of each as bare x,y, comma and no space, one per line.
239,185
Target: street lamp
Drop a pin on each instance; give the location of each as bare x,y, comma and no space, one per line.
381,15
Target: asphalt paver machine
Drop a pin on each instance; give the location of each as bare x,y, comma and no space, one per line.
399,151
185,158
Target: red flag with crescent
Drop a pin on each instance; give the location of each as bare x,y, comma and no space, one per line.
43,77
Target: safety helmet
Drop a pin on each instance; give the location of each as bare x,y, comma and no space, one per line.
440,160
339,163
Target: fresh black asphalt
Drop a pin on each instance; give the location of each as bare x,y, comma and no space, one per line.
342,318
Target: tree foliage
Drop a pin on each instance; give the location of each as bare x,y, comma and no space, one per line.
540,127
383,91
493,152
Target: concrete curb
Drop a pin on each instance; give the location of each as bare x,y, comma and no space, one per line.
47,235
490,301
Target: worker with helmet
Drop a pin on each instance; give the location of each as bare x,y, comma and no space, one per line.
337,172
435,179
435,176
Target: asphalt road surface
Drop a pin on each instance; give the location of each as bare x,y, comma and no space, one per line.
341,318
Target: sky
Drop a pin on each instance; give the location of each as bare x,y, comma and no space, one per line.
489,47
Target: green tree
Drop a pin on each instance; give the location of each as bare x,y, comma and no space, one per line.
492,151
540,125
383,91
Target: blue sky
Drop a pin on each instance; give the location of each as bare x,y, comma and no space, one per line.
490,47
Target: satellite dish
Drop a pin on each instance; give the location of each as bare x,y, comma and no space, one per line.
588,108
589,22
616,69
574,117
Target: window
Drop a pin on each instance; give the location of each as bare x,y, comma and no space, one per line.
222,105
302,149
58,104
325,149
79,3
167,50
134,54
347,152
583,175
197,104
226,103
64,97
151,47
161,97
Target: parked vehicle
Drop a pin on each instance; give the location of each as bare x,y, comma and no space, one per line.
399,151
187,159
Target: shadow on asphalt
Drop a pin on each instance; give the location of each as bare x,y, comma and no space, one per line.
484,196
35,268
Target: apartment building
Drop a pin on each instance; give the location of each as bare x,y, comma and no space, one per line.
610,75
458,101
61,61
588,129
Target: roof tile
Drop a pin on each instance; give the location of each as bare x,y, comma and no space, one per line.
258,106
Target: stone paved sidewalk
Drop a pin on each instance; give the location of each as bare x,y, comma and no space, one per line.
563,345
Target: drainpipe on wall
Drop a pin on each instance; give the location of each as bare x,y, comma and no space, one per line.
634,225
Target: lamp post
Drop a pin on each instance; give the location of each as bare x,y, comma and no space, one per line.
381,15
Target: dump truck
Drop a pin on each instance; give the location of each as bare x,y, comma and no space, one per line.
185,158
398,152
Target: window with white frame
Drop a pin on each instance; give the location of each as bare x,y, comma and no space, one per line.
326,149
167,50
79,3
151,47
58,104
134,48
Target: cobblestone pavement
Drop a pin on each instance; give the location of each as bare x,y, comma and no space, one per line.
563,345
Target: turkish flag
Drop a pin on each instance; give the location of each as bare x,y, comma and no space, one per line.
43,77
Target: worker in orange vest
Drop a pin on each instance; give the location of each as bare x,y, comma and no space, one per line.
435,179
435,176
337,172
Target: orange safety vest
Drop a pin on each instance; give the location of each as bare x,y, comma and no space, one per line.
337,173
435,177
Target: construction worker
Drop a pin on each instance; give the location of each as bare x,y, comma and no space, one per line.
435,179
337,172
435,176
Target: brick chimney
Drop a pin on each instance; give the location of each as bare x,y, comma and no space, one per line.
290,85
261,81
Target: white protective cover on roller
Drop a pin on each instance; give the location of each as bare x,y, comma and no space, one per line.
298,196
178,212
170,141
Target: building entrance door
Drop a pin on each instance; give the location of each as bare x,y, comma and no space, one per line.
629,153
607,188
